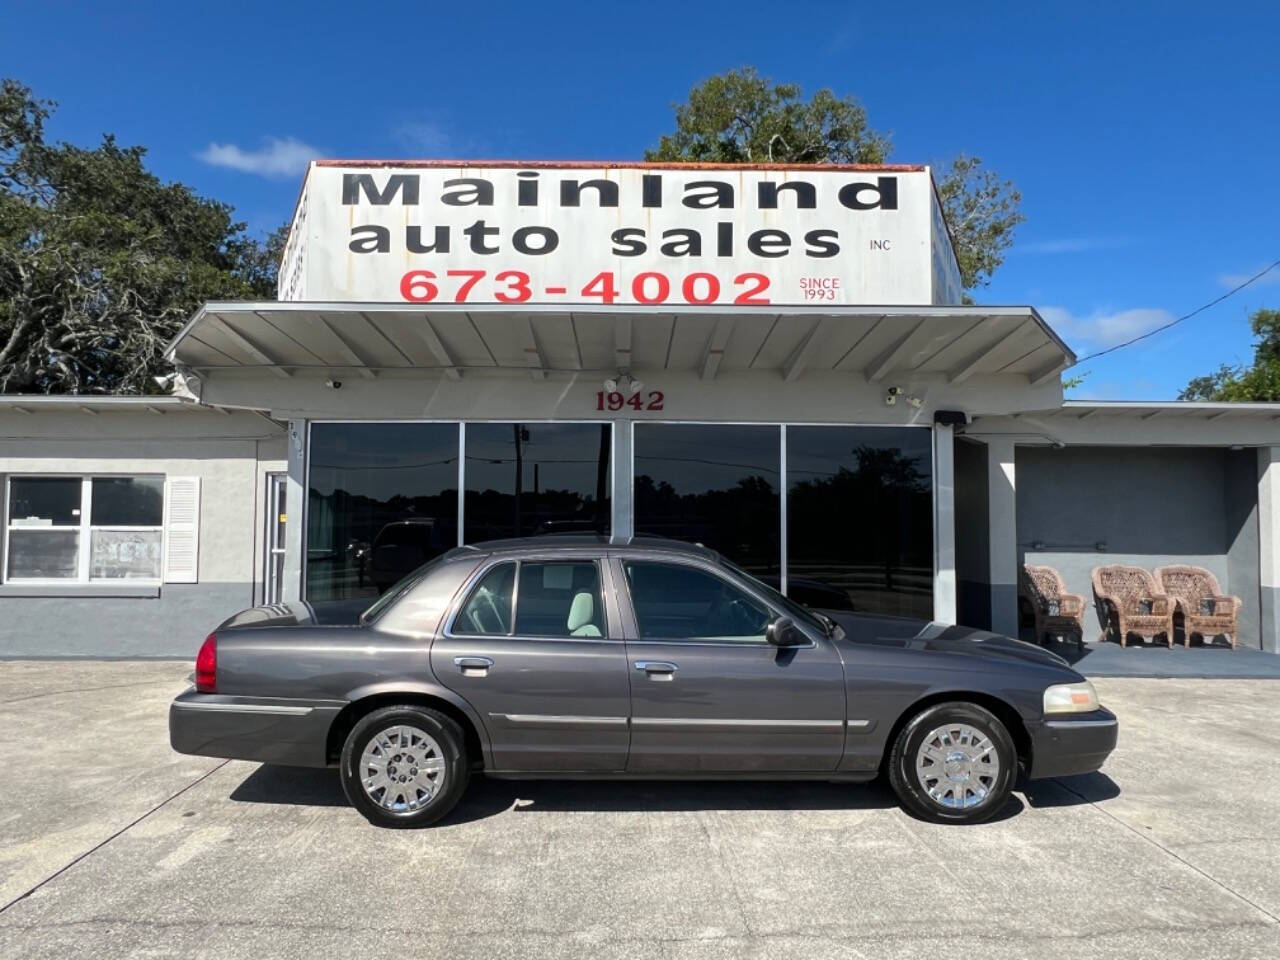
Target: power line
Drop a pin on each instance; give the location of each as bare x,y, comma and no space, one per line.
1186,316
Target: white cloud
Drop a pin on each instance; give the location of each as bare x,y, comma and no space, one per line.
429,138
1233,280
277,157
1071,245
1102,328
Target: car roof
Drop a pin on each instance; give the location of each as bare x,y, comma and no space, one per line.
574,542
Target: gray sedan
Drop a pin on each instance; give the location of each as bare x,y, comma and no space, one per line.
577,658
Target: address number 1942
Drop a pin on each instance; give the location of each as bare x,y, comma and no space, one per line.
615,401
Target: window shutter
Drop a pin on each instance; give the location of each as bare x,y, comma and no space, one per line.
181,529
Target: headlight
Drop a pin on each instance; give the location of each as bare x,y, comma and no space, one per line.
1071,698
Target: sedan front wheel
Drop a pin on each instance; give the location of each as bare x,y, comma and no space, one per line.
953,763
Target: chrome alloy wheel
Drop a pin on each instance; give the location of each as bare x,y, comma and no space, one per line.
402,768
957,765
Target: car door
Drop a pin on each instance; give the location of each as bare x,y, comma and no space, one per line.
534,649
708,692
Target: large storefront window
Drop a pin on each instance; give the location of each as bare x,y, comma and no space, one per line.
383,499
860,518
524,479
714,484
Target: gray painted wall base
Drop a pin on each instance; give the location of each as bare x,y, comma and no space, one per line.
171,625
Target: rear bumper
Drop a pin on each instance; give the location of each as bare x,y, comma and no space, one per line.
288,732
1070,745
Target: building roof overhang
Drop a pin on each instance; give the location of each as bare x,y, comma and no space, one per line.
1138,423
287,339
27,404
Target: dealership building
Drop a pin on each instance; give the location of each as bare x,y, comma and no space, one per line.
772,361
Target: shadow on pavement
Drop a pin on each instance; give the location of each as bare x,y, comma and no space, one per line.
1069,791
487,798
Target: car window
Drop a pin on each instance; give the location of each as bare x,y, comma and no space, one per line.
678,602
559,600
796,610
488,609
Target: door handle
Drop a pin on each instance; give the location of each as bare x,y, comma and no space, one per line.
473,666
658,669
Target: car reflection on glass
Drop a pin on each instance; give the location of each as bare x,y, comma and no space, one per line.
401,547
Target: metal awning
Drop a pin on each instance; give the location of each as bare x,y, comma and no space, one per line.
287,339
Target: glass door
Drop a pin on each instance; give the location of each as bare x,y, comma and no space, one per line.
276,517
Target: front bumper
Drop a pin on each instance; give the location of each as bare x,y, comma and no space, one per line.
289,732
1072,744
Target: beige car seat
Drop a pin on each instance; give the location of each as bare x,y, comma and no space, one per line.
581,616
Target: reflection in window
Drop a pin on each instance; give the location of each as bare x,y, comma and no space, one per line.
535,478
382,501
860,518
713,484
677,602
487,611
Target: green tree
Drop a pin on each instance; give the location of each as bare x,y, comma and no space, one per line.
1258,382
100,262
742,117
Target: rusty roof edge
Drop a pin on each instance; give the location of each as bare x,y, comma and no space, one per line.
615,165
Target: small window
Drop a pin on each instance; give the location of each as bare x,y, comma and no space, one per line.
84,529
559,600
487,611
680,602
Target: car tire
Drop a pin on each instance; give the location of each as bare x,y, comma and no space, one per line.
393,762
967,772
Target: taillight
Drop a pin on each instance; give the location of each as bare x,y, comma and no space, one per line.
207,665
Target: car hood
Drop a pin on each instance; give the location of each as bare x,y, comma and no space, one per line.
941,638
297,613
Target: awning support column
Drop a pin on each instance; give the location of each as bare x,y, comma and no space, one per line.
944,523
623,519
295,506
1269,546
1002,516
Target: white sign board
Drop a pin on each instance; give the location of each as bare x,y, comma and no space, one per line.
642,234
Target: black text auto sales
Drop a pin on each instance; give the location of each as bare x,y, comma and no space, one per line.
718,239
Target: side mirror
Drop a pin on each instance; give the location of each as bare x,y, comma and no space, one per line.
784,633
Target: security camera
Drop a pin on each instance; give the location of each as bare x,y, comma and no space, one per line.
333,384
894,391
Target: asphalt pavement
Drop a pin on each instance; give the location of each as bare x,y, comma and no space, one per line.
113,846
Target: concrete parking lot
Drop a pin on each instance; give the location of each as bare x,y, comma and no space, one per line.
112,846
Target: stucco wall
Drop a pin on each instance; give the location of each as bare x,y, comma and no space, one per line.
229,453
1150,506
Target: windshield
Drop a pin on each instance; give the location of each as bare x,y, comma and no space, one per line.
793,609
398,589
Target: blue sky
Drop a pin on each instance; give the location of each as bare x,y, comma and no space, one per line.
1144,137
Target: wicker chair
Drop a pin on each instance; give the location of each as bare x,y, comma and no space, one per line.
1130,595
1057,612
1206,610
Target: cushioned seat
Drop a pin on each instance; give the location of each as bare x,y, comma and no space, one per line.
582,613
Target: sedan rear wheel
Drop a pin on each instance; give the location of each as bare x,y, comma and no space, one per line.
404,766
953,763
